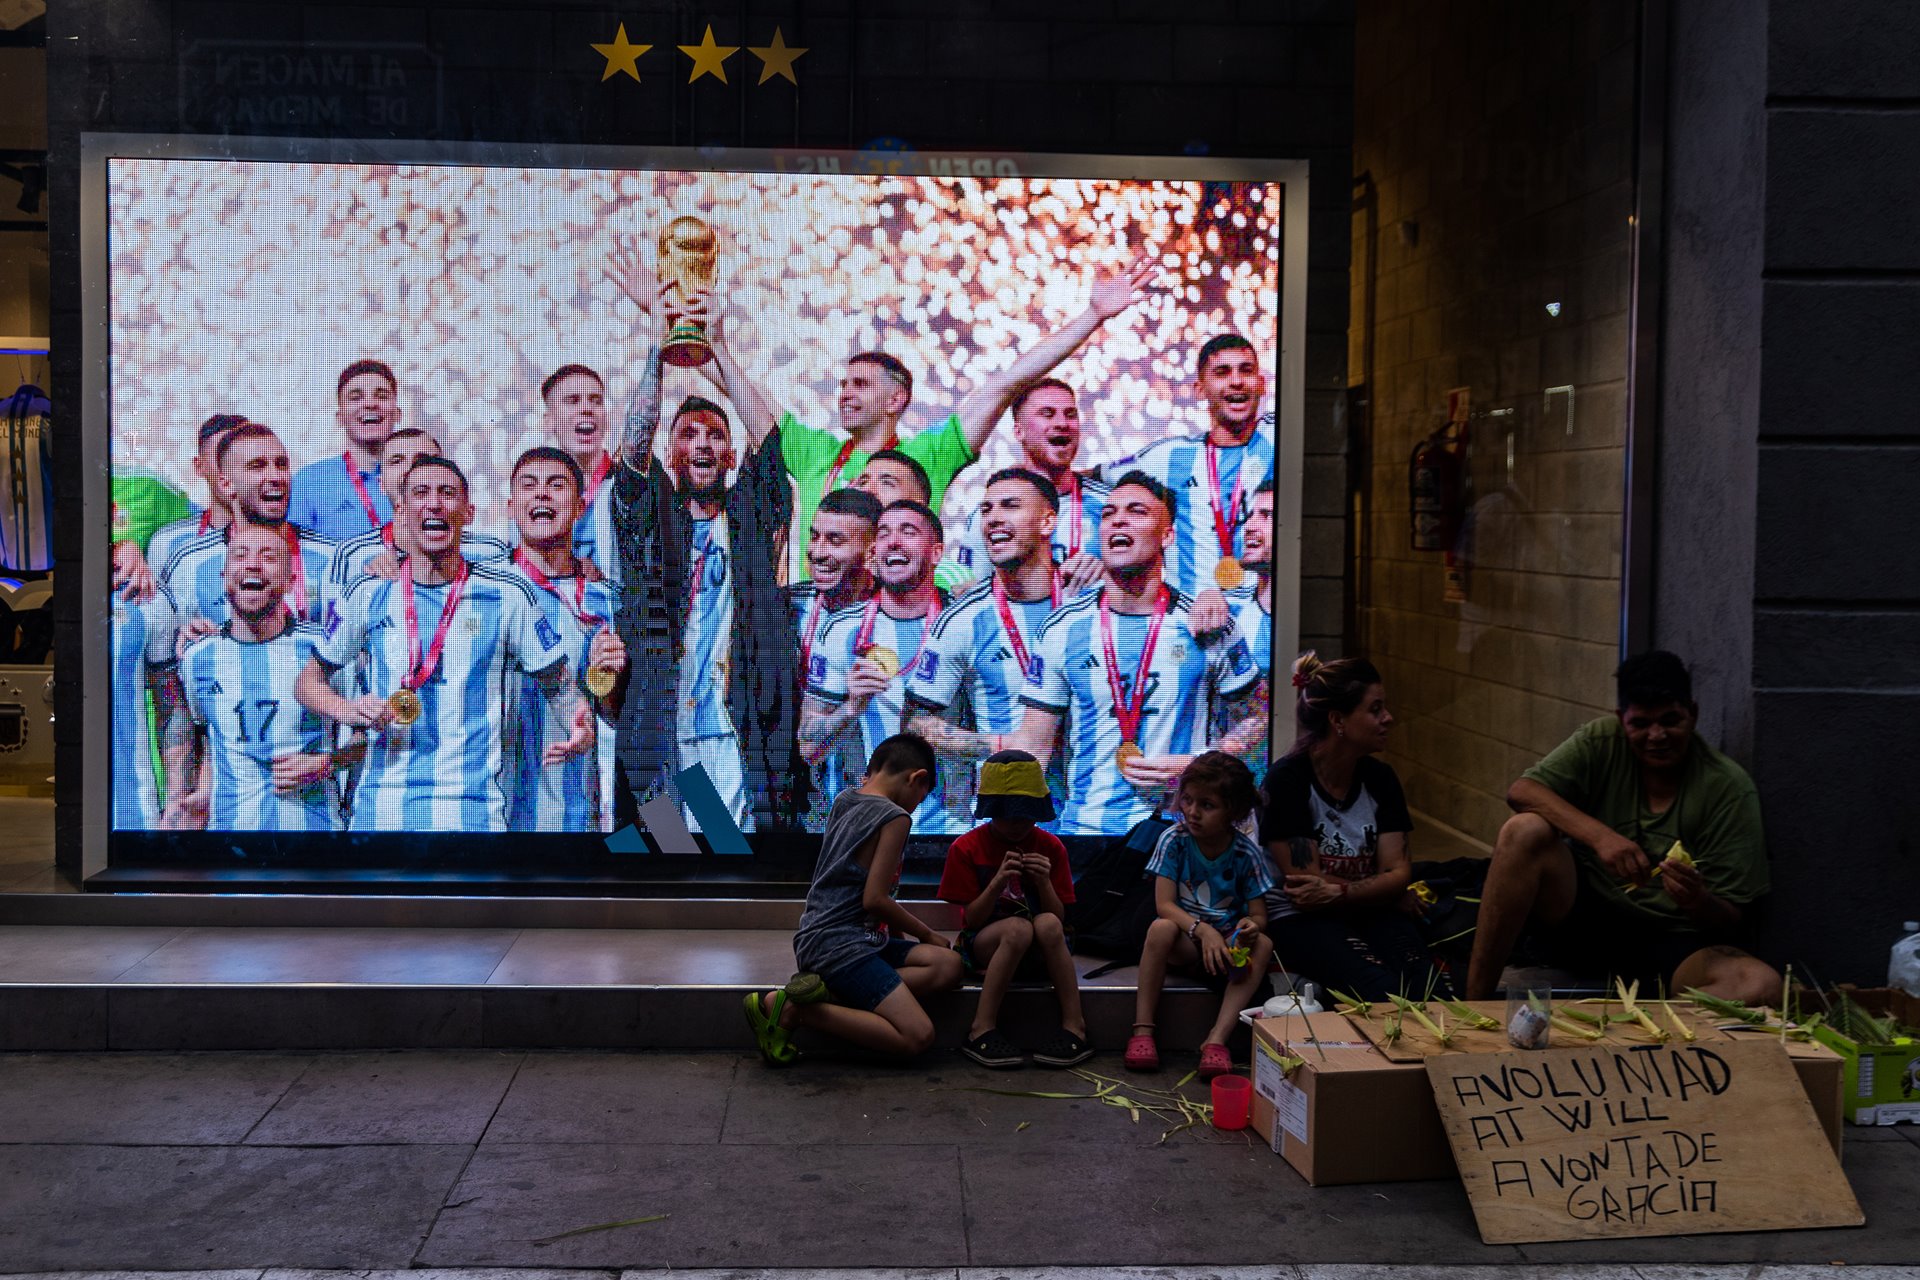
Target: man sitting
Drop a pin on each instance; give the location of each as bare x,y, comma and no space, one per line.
1584,862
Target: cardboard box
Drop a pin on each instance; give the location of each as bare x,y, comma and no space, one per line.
1347,1115
1880,1083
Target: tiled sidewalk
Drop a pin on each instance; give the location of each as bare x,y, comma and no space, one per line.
363,1161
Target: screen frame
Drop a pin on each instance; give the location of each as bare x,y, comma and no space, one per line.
97,149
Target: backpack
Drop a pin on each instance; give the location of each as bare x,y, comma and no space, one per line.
1113,903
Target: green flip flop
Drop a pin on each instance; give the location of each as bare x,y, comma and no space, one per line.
768,1035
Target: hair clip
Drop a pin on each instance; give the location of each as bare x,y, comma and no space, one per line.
1299,680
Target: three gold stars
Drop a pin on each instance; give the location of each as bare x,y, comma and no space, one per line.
622,58
709,57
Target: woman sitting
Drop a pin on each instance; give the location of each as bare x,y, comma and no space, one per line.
1336,827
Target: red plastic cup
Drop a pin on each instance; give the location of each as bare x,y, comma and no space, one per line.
1232,1100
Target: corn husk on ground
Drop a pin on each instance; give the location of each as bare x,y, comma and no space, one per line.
1170,1106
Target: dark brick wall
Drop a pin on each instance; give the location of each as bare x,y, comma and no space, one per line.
1837,590
1790,448
1265,78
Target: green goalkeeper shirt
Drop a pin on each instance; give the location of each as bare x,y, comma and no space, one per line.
810,454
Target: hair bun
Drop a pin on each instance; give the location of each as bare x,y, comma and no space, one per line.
1304,668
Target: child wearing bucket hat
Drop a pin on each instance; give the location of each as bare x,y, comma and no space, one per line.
1013,881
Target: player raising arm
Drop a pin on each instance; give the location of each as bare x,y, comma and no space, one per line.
440,645
1134,686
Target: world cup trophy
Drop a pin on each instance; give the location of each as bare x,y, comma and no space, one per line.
688,248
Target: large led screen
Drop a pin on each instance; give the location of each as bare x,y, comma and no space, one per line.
479,499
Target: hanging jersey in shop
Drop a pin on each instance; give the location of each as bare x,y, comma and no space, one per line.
26,501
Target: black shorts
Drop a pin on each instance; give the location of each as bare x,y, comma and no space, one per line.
1597,939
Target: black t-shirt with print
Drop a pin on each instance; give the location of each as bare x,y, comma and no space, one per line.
1348,832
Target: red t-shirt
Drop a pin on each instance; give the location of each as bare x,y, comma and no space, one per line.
973,859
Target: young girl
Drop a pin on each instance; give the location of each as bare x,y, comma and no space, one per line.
1336,824
1211,879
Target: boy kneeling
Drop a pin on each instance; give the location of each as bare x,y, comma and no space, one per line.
861,974
1014,881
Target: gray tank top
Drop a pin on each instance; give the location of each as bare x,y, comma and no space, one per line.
834,928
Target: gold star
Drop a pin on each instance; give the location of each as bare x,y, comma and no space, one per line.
709,58
776,59
622,58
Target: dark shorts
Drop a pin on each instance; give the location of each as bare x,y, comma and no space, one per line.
864,983
1597,939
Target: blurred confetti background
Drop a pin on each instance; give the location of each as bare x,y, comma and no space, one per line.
245,287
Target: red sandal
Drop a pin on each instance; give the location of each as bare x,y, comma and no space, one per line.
1142,1054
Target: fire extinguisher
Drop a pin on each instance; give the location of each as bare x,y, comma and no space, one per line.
1435,490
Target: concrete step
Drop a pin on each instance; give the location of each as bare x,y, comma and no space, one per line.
170,987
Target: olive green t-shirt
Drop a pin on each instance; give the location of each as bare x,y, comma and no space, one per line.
1715,813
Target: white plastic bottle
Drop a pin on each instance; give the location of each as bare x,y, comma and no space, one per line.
1903,967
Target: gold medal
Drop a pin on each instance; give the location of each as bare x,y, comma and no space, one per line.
1128,750
405,704
884,658
600,681
1228,574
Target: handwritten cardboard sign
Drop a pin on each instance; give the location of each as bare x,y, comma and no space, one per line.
1638,1140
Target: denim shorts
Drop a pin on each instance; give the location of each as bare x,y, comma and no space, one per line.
864,983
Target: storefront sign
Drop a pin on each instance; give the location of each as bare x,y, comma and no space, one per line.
254,86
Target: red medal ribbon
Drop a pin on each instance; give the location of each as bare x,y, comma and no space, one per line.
386,535
420,670
1010,624
206,521
846,451
1128,710
863,639
810,631
599,478
579,606
1223,523
297,587
360,487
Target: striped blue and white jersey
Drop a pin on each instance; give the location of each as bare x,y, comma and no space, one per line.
706,642
971,665
326,500
827,670
350,558
594,537
142,646
1185,680
26,481
443,771
241,694
169,538
195,576
1254,617
1180,463
577,793
968,557
973,676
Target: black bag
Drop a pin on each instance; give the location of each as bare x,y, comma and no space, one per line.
1113,903
1448,925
